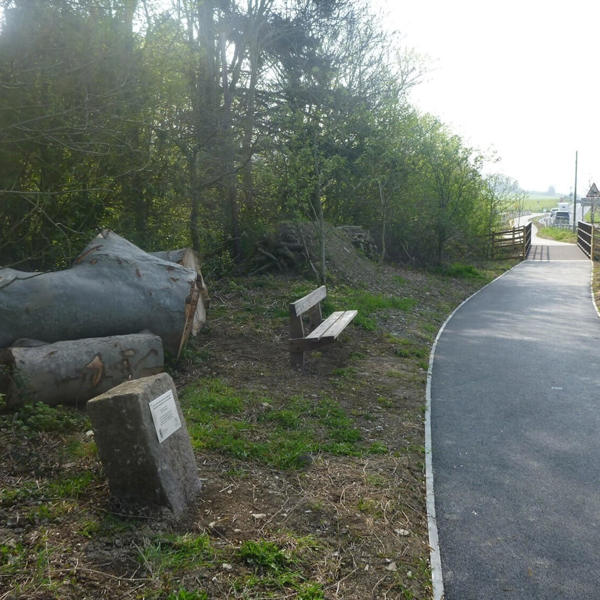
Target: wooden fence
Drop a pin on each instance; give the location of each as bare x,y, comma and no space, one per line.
585,238
513,242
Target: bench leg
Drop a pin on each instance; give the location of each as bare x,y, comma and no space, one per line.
297,360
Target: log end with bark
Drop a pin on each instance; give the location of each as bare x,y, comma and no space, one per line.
187,257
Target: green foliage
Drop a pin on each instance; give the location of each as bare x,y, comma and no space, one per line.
76,448
311,591
558,234
289,419
406,348
264,555
285,437
344,372
70,487
276,567
39,417
368,304
377,448
183,594
460,271
89,528
369,506
25,492
214,396
177,553
131,126
32,558
13,558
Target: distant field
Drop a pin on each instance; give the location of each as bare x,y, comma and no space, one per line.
539,202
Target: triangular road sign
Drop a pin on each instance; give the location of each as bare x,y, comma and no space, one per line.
593,193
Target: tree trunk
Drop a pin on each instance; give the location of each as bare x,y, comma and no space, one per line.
113,288
228,149
384,212
317,207
74,371
195,197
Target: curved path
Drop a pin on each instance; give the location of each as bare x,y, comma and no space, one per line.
515,430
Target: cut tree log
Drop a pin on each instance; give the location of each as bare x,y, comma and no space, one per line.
187,257
74,371
113,288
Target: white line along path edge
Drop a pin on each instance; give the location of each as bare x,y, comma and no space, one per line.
592,291
435,559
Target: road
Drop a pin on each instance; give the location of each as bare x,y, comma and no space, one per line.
515,427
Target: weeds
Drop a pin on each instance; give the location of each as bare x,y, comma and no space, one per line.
36,418
558,234
183,594
177,553
12,558
219,419
460,271
70,487
278,568
406,348
264,555
367,304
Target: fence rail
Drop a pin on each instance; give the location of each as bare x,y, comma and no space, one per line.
585,238
513,242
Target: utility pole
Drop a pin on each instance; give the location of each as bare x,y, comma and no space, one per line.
575,196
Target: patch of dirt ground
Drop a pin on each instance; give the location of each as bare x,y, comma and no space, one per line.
313,480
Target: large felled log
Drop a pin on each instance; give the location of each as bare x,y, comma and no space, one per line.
189,258
113,288
74,371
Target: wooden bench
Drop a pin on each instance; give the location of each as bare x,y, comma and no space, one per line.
308,330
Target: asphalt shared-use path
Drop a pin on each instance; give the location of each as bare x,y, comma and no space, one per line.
515,435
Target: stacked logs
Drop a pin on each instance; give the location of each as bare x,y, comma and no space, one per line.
69,335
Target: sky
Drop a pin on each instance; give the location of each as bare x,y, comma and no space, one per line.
515,79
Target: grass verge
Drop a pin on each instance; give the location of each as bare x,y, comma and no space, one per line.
313,480
558,234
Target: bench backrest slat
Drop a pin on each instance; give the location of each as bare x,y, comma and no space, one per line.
307,302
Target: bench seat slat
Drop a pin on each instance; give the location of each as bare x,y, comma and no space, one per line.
319,331
333,325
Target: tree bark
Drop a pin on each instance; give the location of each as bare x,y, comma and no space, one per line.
384,211
113,288
74,371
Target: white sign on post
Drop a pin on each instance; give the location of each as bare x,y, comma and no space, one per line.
165,415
